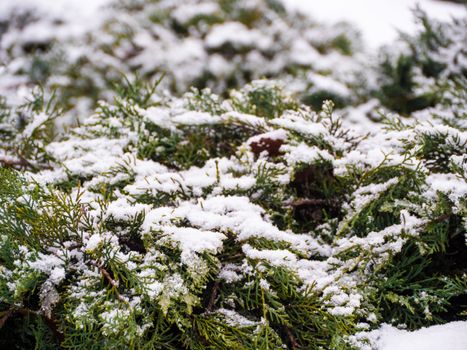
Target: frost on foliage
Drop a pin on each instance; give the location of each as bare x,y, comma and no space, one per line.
203,43
426,78
254,215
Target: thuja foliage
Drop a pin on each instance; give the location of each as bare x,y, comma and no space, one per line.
225,44
219,44
240,219
245,222
428,72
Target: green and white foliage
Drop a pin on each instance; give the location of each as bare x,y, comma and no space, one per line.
26,129
220,44
429,75
250,222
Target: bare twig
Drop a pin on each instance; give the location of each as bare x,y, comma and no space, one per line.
302,202
22,162
5,317
110,281
292,339
213,296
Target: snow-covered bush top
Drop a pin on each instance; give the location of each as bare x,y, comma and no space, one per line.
239,219
250,222
223,44
429,75
219,44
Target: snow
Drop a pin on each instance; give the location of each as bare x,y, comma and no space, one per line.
453,186
235,319
239,183
122,209
367,194
278,134
451,336
303,53
158,116
230,273
37,121
192,241
200,197
305,154
77,16
93,242
275,257
452,136
236,34
387,240
224,213
51,265
187,12
244,118
379,20
321,82
195,118
291,121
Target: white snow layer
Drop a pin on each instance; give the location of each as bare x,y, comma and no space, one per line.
77,11
451,336
379,20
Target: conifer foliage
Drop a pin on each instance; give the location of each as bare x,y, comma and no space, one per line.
241,214
221,45
246,223
429,72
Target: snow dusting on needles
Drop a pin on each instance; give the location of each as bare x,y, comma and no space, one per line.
75,17
310,211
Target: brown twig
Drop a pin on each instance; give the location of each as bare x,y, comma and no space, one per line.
22,162
111,281
292,339
302,202
5,317
213,296
11,163
440,219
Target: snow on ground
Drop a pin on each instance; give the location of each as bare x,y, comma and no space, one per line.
379,20
451,336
